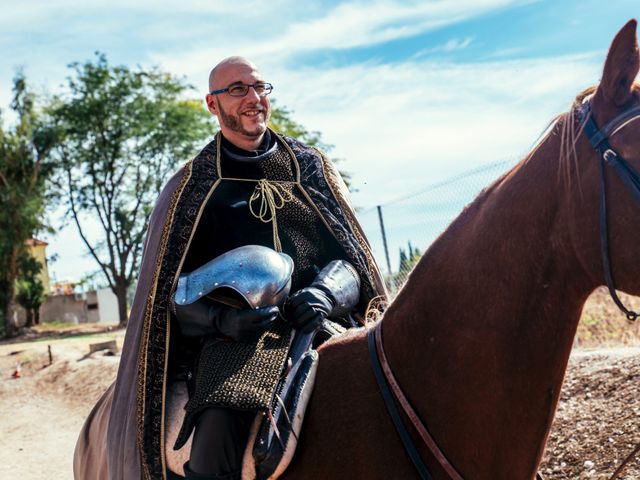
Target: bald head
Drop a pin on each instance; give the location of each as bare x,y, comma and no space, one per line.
243,114
228,63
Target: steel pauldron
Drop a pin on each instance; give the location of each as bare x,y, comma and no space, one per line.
260,275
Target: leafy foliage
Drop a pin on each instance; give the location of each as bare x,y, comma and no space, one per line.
282,122
25,165
122,132
30,291
408,259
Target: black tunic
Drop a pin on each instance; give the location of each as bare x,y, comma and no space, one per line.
302,234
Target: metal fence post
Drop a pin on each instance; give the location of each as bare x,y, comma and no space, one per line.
384,239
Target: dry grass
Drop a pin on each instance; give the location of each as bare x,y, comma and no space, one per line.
603,324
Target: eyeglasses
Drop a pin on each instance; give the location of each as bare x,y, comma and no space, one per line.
241,89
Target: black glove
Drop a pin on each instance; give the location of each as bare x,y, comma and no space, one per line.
333,294
206,317
245,325
306,308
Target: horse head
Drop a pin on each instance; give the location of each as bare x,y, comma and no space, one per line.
602,132
482,331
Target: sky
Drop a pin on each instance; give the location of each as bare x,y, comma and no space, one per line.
408,93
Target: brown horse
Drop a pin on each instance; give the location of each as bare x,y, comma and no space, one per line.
480,336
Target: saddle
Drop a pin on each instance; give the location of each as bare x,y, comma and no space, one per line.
274,435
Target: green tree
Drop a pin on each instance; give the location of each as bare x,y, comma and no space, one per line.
25,165
30,291
408,260
404,262
122,133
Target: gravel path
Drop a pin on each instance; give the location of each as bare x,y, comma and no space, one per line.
597,423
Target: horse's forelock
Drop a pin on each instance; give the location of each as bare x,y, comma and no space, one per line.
569,128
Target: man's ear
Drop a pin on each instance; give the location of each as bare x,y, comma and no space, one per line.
211,103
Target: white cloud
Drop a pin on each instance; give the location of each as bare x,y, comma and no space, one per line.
38,10
399,126
349,25
450,46
189,37
418,122
359,24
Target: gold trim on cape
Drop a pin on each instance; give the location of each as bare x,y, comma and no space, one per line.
146,328
339,190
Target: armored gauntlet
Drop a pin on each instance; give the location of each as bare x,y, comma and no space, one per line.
333,294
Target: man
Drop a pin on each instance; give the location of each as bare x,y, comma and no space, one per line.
248,186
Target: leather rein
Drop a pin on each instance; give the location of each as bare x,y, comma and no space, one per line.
390,388
384,376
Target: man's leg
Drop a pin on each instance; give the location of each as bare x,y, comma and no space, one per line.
218,444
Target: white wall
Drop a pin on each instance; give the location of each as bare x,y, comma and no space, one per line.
107,306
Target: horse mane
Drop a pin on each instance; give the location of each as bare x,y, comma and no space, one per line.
569,130
567,126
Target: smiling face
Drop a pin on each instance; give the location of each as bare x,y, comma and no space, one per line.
243,120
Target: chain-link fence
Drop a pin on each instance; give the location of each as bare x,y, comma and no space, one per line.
413,222
401,230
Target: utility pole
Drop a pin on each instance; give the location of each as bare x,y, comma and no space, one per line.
384,239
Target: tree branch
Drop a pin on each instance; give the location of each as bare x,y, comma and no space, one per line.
82,235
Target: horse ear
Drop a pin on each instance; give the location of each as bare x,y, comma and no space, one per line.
621,66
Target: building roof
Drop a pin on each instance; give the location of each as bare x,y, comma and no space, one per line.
34,241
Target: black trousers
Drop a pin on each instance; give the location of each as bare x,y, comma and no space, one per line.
219,441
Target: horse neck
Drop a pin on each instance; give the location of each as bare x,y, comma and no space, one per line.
481,334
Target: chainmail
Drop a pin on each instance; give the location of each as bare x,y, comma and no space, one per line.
308,241
238,375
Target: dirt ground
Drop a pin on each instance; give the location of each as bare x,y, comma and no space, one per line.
43,410
596,425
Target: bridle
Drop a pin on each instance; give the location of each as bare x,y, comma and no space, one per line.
599,140
390,388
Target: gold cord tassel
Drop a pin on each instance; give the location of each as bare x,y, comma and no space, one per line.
272,197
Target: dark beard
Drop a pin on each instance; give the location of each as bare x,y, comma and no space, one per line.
234,123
